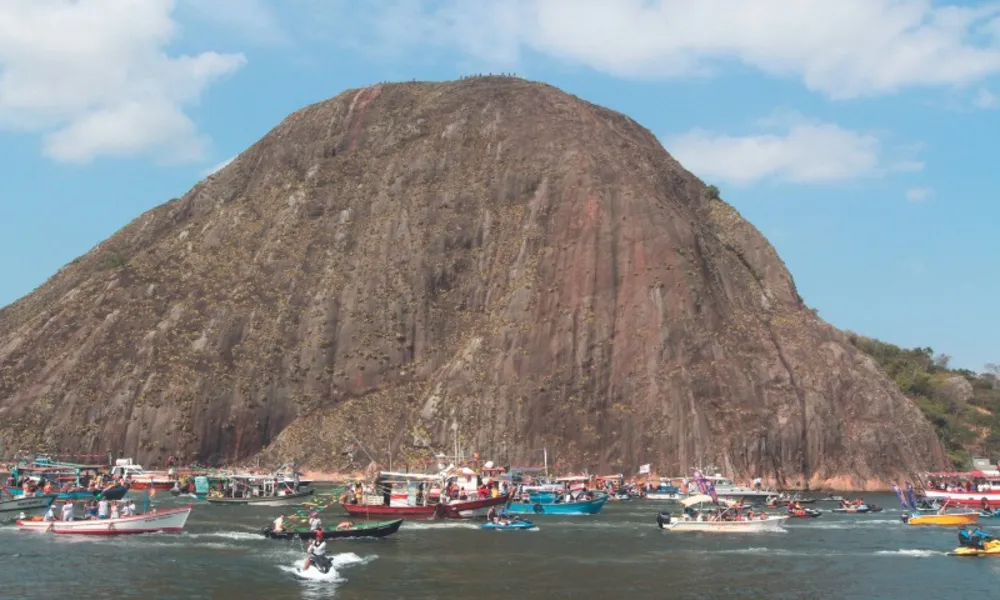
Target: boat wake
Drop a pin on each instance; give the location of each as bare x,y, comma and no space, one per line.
917,553
441,525
229,535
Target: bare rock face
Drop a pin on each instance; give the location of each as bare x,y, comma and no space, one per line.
488,262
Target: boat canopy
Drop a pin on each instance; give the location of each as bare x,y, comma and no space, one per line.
573,478
699,499
407,476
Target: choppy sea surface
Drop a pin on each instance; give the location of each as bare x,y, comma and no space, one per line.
618,554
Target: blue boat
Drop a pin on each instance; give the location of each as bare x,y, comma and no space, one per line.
509,526
585,507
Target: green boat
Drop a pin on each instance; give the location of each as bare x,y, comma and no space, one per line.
375,529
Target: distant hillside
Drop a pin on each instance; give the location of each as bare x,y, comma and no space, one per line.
963,406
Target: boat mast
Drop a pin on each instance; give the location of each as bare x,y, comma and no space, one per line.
545,459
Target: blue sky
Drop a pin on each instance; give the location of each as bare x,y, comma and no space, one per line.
860,136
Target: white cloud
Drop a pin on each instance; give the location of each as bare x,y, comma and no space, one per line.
253,19
94,77
986,99
788,148
919,194
844,49
222,165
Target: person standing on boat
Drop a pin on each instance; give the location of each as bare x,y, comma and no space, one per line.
315,524
67,511
103,508
115,513
50,514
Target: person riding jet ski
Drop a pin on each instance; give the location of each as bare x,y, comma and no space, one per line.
316,554
973,537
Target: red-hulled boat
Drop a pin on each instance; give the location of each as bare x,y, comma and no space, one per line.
417,496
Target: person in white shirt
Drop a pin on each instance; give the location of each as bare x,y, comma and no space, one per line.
67,511
317,548
115,513
314,522
103,508
50,515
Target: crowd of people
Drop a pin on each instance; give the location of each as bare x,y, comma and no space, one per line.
94,509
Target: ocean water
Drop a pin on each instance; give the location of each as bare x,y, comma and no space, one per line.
619,554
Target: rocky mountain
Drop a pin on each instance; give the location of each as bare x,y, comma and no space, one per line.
489,262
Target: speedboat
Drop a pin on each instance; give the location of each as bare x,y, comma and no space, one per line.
941,519
508,525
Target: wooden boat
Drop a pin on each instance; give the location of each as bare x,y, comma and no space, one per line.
456,509
30,504
419,496
583,507
364,529
169,520
942,520
279,499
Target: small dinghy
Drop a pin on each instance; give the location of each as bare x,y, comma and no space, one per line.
508,525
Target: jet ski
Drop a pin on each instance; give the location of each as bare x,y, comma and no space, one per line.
508,525
804,513
991,548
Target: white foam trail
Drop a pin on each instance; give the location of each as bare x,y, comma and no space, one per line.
229,535
444,525
312,574
917,553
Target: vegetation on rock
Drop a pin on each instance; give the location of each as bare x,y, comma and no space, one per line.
963,406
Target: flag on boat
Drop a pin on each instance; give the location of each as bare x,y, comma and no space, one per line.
644,469
701,482
899,494
911,496
712,493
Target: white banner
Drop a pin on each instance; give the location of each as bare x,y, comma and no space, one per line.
644,469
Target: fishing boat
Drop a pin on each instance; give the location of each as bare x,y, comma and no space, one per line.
262,490
170,520
364,529
139,478
29,505
717,519
421,496
528,506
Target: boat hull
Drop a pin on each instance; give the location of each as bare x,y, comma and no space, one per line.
363,530
663,496
588,507
753,526
947,520
264,500
512,526
168,521
31,503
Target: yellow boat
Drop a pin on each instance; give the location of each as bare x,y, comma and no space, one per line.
991,548
945,520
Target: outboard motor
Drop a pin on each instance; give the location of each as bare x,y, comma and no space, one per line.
663,518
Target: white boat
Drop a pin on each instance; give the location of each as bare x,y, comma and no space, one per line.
170,520
769,523
693,520
666,490
20,504
725,488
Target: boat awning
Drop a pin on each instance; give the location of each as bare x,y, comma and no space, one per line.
408,476
699,499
